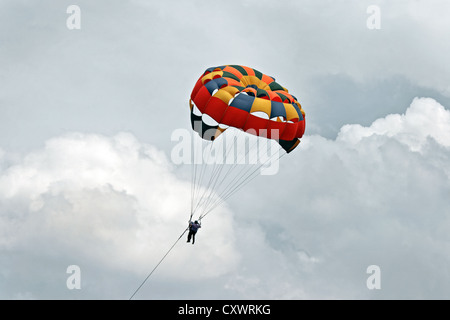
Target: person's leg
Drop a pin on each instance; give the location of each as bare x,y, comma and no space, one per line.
189,236
193,237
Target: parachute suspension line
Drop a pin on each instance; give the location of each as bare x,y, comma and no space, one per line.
198,177
195,176
230,172
217,175
240,175
216,168
198,197
245,181
249,177
212,189
198,173
237,161
157,265
211,194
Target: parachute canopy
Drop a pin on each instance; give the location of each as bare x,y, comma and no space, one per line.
244,98
247,122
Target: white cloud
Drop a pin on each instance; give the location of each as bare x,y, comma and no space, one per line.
424,119
107,203
375,195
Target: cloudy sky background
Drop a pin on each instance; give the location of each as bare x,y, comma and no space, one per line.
86,176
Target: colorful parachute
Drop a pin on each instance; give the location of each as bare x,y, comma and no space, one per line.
238,100
246,99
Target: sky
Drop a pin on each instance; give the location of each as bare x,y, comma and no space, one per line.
88,178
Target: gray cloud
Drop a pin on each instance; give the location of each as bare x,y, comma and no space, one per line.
96,202
133,64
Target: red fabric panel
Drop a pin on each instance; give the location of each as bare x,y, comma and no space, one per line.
255,123
289,132
197,87
201,98
234,117
277,126
300,129
216,108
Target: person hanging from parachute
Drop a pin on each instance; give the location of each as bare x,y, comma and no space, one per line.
193,228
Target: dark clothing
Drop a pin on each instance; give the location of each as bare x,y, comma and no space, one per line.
193,228
191,235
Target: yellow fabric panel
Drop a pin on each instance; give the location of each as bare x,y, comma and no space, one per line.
231,90
211,75
261,105
249,80
291,113
224,94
